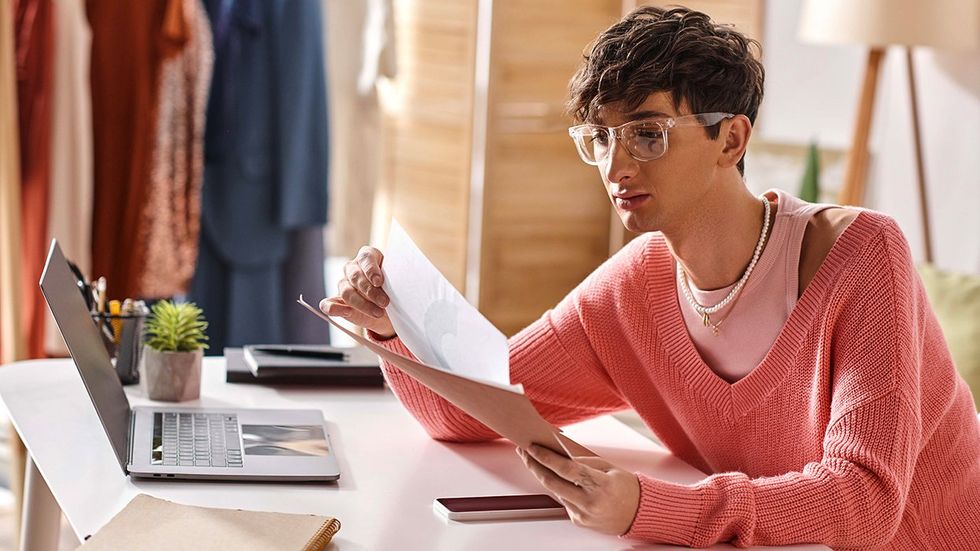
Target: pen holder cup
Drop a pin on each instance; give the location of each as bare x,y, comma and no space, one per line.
122,335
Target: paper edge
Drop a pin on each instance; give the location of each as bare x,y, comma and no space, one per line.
380,350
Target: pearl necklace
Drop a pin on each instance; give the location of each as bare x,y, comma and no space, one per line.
706,311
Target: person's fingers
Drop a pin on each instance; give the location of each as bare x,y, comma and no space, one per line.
577,473
357,279
576,514
595,462
369,259
335,306
355,300
571,507
563,489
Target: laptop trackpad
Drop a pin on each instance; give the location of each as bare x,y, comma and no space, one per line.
295,440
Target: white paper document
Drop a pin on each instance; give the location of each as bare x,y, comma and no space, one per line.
435,322
503,408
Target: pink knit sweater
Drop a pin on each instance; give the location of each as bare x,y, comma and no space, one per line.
855,431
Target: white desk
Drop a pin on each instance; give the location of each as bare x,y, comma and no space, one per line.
391,470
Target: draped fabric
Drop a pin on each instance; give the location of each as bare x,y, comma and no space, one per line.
110,99
34,27
304,275
127,52
171,215
151,71
70,200
265,175
12,343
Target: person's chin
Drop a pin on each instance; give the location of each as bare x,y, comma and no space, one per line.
638,221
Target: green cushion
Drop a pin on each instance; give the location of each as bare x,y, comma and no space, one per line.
956,300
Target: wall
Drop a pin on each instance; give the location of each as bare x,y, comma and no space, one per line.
803,103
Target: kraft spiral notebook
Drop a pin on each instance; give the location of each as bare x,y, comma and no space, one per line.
151,524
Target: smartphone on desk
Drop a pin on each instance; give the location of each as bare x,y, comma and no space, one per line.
499,507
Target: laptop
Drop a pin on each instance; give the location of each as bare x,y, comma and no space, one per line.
184,442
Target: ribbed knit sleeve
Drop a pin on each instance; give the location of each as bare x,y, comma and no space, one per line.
552,358
855,495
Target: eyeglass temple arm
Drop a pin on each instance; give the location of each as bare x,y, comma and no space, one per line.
701,119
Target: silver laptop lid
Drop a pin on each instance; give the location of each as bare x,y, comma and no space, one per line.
58,284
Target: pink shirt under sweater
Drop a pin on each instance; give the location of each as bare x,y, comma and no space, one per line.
750,323
854,431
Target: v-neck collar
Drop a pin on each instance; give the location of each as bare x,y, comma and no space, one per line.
734,400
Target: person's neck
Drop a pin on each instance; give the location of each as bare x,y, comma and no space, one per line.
715,239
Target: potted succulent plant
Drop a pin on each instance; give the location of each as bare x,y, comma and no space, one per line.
175,340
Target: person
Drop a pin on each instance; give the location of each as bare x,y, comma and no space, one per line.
785,348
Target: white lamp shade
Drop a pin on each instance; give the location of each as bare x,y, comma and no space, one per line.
945,24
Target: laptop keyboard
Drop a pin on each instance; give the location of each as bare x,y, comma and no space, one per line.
196,440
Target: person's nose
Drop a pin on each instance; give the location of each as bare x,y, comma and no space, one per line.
620,165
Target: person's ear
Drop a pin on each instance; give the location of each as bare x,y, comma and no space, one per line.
736,133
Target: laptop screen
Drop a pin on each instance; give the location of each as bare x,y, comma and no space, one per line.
58,284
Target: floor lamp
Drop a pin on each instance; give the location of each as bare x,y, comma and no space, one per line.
945,24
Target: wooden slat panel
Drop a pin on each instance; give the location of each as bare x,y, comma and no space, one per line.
545,212
428,129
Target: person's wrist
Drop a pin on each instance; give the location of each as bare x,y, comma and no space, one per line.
634,498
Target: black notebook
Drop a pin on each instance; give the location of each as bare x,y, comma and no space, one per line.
352,367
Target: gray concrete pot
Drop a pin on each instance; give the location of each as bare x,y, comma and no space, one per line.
171,376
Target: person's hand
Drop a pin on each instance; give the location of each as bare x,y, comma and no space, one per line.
360,298
596,493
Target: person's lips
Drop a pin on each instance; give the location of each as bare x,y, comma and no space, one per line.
630,201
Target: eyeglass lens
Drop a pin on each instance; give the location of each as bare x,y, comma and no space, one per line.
643,141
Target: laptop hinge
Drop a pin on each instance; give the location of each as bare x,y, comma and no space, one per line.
130,440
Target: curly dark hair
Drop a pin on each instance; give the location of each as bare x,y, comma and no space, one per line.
674,50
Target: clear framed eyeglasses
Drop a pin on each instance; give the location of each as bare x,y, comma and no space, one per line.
644,140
